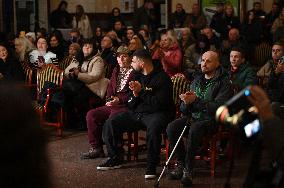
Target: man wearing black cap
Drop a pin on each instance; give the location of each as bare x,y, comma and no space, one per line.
151,107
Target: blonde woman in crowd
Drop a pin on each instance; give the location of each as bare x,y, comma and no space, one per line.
22,48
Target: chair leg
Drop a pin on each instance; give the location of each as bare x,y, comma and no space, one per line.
129,139
135,145
213,151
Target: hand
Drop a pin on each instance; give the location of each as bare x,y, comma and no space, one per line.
40,63
113,102
1,76
188,97
279,68
260,100
135,87
76,71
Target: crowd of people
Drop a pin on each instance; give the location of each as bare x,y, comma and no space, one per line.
126,70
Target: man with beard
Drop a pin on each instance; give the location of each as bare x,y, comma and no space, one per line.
199,104
151,108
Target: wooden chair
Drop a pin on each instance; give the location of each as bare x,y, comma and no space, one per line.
66,61
262,53
53,74
180,85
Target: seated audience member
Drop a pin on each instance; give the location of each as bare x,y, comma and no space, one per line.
57,44
10,68
21,135
119,29
241,73
186,39
169,54
213,39
85,79
41,32
116,102
146,37
75,37
97,37
151,107
234,39
108,55
192,55
278,22
73,53
41,56
207,92
276,53
275,88
31,37
129,34
22,49
115,40
134,44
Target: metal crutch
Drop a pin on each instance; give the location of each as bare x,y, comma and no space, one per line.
167,162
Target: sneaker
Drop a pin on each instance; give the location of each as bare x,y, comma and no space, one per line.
186,179
177,173
110,163
150,172
93,153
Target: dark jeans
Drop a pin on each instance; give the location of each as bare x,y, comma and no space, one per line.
154,123
195,134
96,119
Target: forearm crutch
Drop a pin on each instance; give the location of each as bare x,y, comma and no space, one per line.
172,153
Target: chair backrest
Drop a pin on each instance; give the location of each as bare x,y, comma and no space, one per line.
28,72
66,61
262,53
180,84
50,73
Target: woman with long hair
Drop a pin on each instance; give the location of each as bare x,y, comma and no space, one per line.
82,23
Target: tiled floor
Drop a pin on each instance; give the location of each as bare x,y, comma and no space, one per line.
68,170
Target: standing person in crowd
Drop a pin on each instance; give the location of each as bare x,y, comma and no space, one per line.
82,23
269,19
241,73
258,12
41,56
115,16
10,68
228,21
151,107
215,21
117,96
252,30
195,20
206,93
178,17
84,79
57,45
169,54
60,18
278,27
22,49
145,17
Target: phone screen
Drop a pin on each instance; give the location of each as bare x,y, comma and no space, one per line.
252,128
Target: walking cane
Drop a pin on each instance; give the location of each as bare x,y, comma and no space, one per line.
173,151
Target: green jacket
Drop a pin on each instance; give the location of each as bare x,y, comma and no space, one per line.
209,96
244,76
